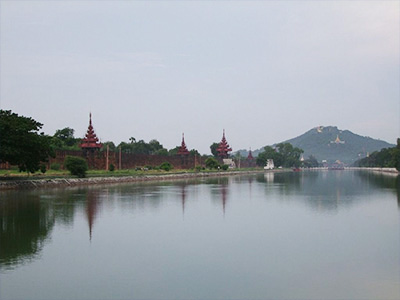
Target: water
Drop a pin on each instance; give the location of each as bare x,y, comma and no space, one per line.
306,235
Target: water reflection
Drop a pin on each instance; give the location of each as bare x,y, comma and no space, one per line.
27,218
219,190
25,226
91,210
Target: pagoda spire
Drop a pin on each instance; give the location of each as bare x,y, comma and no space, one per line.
250,156
90,141
223,147
183,149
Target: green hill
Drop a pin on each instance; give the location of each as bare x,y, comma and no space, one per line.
331,144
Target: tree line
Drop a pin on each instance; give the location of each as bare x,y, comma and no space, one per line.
385,158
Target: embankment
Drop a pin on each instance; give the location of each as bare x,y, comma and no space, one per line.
64,182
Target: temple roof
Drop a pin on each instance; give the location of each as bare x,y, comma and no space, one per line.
223,147
90,141
250,156
182,149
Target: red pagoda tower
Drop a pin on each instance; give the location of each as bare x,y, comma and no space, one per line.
223,147
250,156
90,142
182,149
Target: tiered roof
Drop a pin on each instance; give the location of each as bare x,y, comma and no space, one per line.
90,141
182,149
250,156
223,147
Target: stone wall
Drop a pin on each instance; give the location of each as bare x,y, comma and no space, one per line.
98,160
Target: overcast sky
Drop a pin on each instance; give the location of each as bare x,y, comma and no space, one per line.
265,71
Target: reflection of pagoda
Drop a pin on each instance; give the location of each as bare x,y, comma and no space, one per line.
223,147
91,210
90,142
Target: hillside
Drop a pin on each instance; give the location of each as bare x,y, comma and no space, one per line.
331,144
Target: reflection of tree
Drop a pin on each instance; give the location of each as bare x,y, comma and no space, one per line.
25,225
324,190
387,181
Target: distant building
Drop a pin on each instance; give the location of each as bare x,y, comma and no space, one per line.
90,142
183,149
337,141
223,147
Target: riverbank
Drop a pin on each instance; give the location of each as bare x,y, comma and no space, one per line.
65,182
392,171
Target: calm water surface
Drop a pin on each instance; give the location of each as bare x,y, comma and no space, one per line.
307,235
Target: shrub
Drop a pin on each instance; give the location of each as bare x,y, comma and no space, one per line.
111,168
76,165
55,166
198,168
43,168
225,167
212,163
166,166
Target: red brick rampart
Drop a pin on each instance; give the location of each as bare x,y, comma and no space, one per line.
98,160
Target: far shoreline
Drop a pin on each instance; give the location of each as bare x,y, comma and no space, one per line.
73,181
35,183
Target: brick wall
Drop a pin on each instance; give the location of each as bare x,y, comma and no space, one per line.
98,160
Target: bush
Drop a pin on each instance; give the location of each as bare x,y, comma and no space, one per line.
212,163
55,166
225,167
76,165
166,166
111,168
198,168
43,168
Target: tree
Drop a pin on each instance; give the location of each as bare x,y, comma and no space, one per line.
111,146
213,149
64,139
166,166
290,155
76,165
311,162
212,163
284,155
269,153
396,156
20,142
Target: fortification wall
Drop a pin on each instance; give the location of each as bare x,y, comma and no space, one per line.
98,160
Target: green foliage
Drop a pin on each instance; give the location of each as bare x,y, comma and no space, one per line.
64,139
111,146
198,168
213,149
386,158
163,152
211,163
166,166
311,162
173,151
111,168
43,168
76,165
141,147
194,152
284,155
225,167
55,166
21,144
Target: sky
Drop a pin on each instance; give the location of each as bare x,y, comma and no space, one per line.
265,71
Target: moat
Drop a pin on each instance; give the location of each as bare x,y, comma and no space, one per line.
304,235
